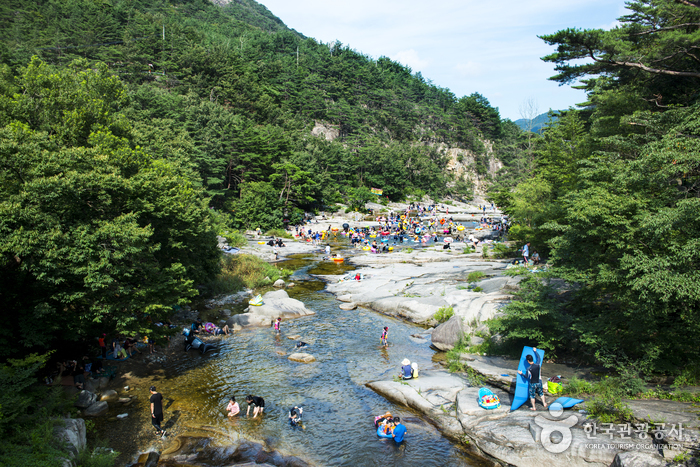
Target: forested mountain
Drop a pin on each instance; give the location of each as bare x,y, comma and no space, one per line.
244,92
612,194
536,124
123,122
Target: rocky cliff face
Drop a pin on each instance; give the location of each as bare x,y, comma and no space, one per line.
461,163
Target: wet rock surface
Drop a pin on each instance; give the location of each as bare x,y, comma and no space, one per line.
194,451
522,438
302,357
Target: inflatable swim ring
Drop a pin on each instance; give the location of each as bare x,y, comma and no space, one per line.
488,400
373,236
338,260
365,248
381,434
460,227
335,229
261,243
391,248
256,301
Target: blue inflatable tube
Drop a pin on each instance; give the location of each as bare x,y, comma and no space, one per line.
381,434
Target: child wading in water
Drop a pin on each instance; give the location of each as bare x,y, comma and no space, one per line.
385,336
277,325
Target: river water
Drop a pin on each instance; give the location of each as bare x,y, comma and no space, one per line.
338,408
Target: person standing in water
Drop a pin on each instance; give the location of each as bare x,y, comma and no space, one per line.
385,336
277,325
258,404
157,411
399,430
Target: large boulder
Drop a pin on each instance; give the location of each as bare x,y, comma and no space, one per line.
279,283
347,306
302,357
275,304
85,399
96,410
109,395
446,335
71,432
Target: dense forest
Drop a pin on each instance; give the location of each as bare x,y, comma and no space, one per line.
611,193
124,122
133,132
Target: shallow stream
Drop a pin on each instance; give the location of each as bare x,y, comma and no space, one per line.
338,408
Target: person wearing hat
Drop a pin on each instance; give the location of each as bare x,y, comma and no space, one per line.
381,419
157,411
406,369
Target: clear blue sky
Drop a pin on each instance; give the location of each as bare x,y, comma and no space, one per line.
489,47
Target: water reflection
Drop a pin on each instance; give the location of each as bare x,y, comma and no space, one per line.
338,408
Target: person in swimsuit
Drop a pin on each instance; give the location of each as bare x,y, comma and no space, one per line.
258,404
277,325
385,336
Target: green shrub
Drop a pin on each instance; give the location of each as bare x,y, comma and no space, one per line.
502,250
475,276
690,376
278,233
443,314
468,249
234,238
478,289
408,250
609,408
662,394
98,457
516,271
239,272
577,387
454,361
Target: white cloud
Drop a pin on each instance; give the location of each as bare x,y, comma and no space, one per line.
410,59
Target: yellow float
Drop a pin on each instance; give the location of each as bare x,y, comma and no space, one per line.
261,243
338,260
460,227
365,248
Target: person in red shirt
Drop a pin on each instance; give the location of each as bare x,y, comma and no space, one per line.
103,346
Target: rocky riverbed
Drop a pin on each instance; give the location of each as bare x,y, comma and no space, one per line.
411,286
414,286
